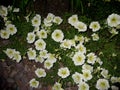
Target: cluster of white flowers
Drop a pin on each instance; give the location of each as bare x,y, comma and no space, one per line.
9,29
13,54
51,18
73,20
80,56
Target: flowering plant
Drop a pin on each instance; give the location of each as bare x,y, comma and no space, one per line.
73,50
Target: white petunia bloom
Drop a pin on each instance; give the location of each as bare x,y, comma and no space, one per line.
58,20
87,75
95,37
31,54
40,44
9,52
42,34
95,26
81,48
78,58
87,67
49,17
66,44
104,73
63,72
57,35
57,86
73,19
77,77
44,54
40,72
82,27
113,20
102,84
91,58
34,83
98,60
47,24
48,64
4,34
81,39
36,29
114,79
39,59
83,86
16,10
36,20
3,11
114,31
7,23
51,57
17,56
30,37
11,28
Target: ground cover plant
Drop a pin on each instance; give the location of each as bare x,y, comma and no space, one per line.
73,50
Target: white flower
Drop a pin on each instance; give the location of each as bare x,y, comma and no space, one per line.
113,20
98,60
16,10
104,73
79,38
57,35
78,58
102,84
51,58
82,27
36,20
36,29
11,28
114,88
44,54
9,52
17,56
34,83
114,79
48,64
87,67
87,75
47,24
40,44
91,58
73,19
40,72
83,86
95,37
77,77
30,37
42,34
95,26
63,72
3,11
7,23
66,44
4,34
58,20
57,86
87,39
49,17
81,48
31,54
114,31
39,59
